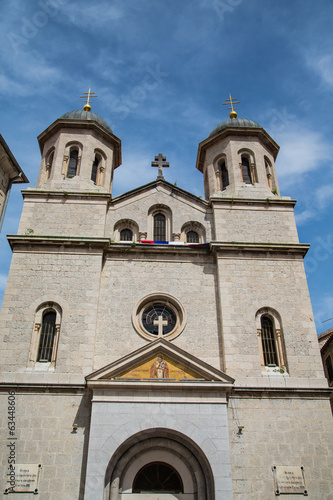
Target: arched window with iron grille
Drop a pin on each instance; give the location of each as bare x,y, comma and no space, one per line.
126,235
192,237
159,227
158,477
268,342
47,336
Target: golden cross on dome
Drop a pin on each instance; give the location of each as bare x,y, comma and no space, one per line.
87,96
231,101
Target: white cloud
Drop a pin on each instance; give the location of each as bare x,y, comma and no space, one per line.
305,216
133,172
88,16
302,151
323,66
324,312
324,196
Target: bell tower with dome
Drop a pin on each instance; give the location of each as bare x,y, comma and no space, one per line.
79,152
156,344
237,160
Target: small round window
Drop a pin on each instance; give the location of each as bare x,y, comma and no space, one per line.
159,316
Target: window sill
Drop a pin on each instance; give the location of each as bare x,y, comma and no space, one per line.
271,371
44,367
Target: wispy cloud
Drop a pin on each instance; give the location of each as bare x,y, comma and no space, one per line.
133,172
322,64
302,150
324,311
91,17
324,196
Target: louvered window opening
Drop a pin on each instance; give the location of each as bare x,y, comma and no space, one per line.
73,160
329,368
47,337
268,342
159,228
126,235
94,170
246,173
192,237
225,176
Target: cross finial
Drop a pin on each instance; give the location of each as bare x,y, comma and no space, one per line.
160,163
231,101
87,96
160,322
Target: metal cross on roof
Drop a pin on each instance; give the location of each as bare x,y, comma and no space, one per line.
231,101
88,95
160,163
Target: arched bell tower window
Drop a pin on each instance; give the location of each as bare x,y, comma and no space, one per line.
49,163
126,235
94,169
158,477
246,171
73,162
192,237
47,336
224,175
159,227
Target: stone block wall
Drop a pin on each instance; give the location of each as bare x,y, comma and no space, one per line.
280,430
70,279
129,277
63,214
250,282
254,222
44,431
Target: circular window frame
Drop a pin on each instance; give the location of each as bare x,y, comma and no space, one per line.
167,300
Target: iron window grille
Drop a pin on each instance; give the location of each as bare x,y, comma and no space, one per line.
47,336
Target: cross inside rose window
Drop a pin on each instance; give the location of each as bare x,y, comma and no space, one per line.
159,319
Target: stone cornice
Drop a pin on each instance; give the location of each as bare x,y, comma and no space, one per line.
271,392
266,202
214,388
105,244
73,241
45,194
237,246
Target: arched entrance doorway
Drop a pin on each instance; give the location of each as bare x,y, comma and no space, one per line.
159,464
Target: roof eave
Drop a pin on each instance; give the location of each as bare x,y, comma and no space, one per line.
235,131
81,124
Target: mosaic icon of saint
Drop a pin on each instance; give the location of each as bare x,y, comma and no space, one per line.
159,369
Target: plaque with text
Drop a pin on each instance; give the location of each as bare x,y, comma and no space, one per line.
22,478
289,480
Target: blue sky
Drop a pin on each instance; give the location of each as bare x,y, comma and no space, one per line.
161,70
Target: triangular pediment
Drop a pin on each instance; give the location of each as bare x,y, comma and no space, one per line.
163,188
159,361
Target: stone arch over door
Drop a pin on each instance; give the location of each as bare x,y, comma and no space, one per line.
159,445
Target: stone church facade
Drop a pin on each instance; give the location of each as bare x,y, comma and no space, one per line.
155,344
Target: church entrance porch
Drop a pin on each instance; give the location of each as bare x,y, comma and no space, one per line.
169,466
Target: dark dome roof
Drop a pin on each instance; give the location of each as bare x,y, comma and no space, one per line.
235,122
80,114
